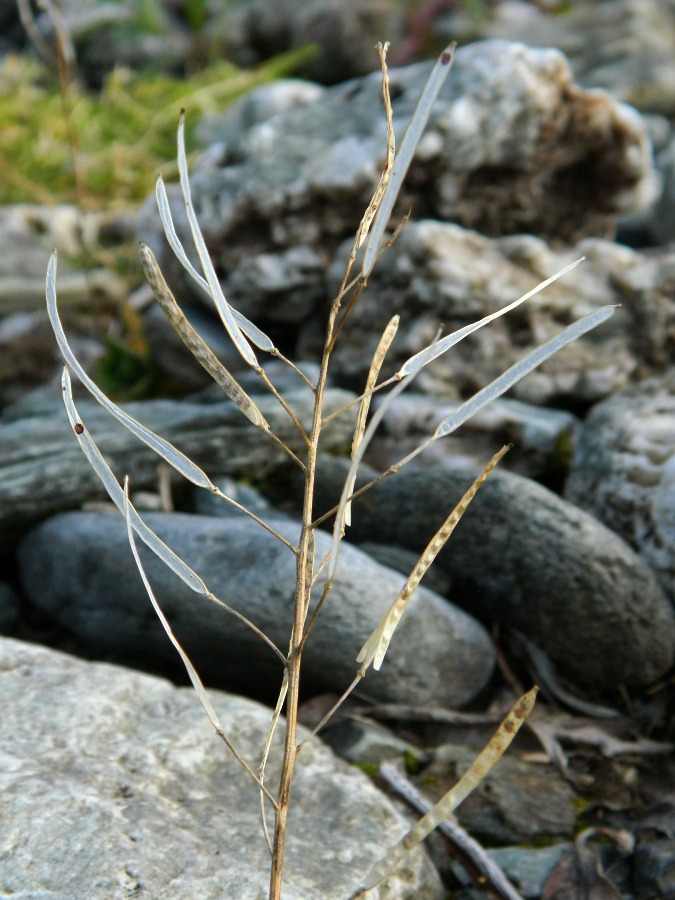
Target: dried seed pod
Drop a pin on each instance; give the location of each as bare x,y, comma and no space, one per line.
195,344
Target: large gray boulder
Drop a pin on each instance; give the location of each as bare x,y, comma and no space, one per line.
115,784
43,470
512,146
523,557
623,471
78,569
623,47
440,274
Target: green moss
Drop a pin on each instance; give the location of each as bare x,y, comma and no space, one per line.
412,763
123,135
369,769
126,375
563,451
196,13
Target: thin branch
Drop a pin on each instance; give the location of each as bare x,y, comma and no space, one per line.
192,672
263,524
474,775
265,754
174,562
331,712
468,851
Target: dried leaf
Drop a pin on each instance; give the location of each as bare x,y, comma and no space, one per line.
475,774
351,474
468,850
580,874
544,674
374,204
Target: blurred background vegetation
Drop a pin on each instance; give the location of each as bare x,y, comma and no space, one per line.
102,146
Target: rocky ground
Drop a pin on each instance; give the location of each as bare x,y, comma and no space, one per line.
553,139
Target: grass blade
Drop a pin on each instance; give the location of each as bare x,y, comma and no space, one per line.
166,216
252,332
380,190
116,494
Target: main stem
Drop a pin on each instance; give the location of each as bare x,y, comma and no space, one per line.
304,574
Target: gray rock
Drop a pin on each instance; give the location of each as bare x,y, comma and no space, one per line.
542,439
114,783
662,221
654,869
364,743
623,471
78,568
622,47
43,470
344,30
512,145
9,608
257,106
208,505
525,867
528,867
517,802
524,557
440,274
28,234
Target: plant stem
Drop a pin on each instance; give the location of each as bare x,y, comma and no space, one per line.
303,586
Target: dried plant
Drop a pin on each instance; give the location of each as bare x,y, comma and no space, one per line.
371,237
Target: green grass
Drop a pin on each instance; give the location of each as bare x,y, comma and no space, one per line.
124,133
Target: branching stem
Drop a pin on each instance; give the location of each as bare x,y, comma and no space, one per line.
304,578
